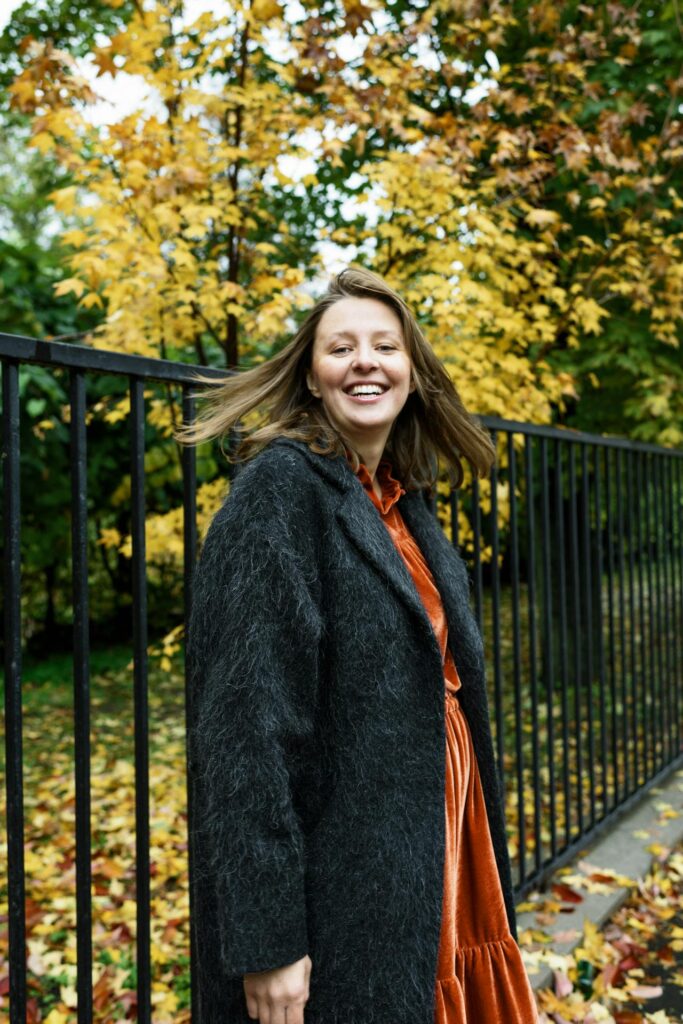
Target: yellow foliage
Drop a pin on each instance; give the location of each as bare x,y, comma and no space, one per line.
174,204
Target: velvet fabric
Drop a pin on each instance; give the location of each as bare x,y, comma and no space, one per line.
480,971
317,744
411,554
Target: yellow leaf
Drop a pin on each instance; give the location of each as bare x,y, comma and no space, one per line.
70,284
588,314
541,218
90,300
64,199
264,10
67,994
75,237
43,141
56,1017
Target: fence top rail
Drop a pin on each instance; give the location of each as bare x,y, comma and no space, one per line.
568,434
99,360
21,349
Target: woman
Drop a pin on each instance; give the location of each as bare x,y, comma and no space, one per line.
347,836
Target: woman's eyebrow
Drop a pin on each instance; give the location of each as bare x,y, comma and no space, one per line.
375,334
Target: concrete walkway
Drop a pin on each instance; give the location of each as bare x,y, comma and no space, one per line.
658,818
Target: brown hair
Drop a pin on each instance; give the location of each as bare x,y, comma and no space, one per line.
432,425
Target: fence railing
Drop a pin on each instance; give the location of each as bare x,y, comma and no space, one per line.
575,545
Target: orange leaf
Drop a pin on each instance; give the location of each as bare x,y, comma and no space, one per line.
566,893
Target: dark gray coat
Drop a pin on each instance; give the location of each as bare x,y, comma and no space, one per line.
317,759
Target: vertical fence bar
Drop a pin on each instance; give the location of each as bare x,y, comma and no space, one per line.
670,602
14,779
609,532
562,610
622,625
630,540
678,562
656,613
495,619
547,655
81,670
663,558
516,654
646,681
576,630
476,530
142,871
662,693
597,480
666,600
453,505
665,488
653,682
189,464
533,677
677,608
664,604
588,605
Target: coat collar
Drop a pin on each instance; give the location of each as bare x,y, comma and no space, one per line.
362,523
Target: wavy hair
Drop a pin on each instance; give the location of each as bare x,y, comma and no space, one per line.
433,427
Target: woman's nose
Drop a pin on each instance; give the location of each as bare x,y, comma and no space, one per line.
365,356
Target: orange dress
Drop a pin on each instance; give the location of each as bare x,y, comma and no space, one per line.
480,978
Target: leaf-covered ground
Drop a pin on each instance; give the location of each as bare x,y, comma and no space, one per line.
628,973
50,848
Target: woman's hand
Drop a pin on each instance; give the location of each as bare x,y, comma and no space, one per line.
278,996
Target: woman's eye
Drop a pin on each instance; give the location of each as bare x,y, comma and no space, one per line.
346,348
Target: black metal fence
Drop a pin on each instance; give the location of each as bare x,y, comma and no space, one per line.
576,553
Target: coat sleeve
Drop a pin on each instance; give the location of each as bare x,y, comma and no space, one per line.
253,649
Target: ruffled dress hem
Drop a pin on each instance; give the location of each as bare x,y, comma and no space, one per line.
485,986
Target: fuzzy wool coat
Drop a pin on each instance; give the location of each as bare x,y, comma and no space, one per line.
317,744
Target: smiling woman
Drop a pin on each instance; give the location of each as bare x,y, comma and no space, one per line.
348,845
362,374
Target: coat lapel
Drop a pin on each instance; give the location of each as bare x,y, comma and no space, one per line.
362,524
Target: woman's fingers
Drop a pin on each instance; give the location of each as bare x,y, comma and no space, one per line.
273,1013
280,995
252,1005
291,1015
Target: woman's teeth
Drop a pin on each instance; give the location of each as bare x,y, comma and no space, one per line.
365,390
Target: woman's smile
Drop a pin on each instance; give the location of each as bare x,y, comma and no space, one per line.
366,393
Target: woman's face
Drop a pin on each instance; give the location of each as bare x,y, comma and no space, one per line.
360,341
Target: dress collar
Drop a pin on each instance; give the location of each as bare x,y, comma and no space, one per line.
392,488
